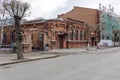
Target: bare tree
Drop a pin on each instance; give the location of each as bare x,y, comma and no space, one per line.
115,32
1,22
17,10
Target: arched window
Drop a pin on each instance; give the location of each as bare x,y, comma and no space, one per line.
76,35
71,34
4,37
81,35
85,35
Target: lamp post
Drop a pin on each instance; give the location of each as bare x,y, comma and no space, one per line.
88,45
88,29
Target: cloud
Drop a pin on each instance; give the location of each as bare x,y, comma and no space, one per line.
45,8
51,8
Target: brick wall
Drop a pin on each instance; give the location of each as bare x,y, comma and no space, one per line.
53,30
89,16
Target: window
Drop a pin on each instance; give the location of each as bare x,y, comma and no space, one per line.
103,37
85,35
76,35
81,35
13,36
71,35
40,37
107,37
4,37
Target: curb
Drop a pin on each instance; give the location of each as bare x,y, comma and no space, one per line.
57,55
20,61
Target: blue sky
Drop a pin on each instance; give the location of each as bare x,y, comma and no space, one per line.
51,8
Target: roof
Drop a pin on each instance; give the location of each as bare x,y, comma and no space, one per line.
37,20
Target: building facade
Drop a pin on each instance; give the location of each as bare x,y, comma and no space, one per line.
109,22
90,17
104,24
54,33
74,29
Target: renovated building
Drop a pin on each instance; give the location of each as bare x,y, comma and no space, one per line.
109,21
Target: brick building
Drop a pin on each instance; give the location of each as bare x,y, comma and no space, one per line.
74,29
89,16
55,33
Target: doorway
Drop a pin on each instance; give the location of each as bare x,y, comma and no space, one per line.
60,41
93,41
41,41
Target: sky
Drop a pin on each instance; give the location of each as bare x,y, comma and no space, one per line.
51,8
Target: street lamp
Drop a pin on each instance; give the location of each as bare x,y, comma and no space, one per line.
88,45
88,29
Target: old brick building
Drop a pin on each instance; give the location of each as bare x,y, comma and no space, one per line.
55,33
89,16
74,29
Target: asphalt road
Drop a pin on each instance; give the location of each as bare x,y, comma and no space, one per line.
94,65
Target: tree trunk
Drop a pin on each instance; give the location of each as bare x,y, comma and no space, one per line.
18,37
115,38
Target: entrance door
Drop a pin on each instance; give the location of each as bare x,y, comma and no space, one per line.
60,41
41,41
93,41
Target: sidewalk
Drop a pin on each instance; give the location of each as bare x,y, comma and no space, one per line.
10,58
72,50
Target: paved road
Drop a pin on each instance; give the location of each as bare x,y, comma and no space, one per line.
95,65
